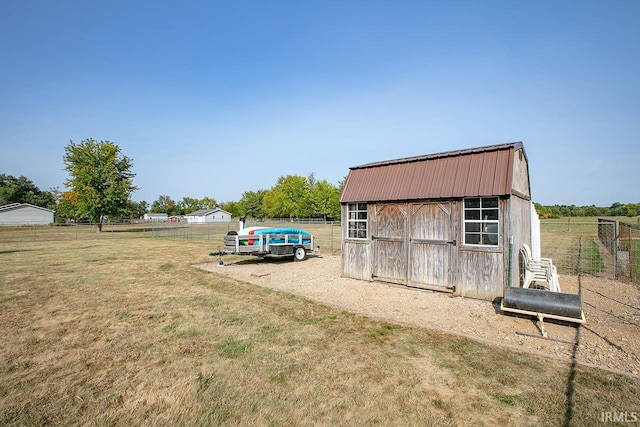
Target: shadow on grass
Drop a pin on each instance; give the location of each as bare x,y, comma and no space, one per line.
570,390
257,260
13,251
128,230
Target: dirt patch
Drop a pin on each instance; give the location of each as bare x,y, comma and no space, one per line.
608,339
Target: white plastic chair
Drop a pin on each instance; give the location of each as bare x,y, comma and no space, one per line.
538,269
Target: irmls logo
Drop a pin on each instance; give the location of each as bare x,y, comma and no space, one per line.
619,417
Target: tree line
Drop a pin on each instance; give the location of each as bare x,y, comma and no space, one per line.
292,196
100,185
561,211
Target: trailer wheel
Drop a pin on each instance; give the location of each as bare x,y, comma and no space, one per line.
299,253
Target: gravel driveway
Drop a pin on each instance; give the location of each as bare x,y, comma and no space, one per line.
608,339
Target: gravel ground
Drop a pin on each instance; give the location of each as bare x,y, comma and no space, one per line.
608,339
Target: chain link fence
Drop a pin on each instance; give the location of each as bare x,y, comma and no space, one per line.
74,231
607,248
327,234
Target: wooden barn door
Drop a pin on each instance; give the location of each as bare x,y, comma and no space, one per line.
430,245
389,243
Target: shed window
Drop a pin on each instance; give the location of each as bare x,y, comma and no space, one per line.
357,220
481,221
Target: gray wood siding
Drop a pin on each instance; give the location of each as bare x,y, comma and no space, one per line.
429,245
431,221
389,242
356,254
481,274
520,178
520,228
356,258
482,271
413,245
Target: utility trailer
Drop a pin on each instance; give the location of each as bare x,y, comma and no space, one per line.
270,245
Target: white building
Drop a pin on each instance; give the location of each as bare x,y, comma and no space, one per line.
156,217
25,214
204,216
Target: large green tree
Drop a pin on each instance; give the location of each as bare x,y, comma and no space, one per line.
100,178
287,198
165,204
189,204
251,204
23,190
324,200
233,208
138,209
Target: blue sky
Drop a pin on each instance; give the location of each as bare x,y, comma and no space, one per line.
213,98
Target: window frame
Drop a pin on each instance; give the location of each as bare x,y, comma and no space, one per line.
357,221
482,226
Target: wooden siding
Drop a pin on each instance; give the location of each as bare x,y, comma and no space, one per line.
520,229
413,244
356,260
388,232
356,254
430,245
480,273
520,180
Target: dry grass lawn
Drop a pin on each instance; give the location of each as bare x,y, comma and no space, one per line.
127,332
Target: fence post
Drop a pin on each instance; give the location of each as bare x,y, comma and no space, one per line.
633,257
332,237
578,272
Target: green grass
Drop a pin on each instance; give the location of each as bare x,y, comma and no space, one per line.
591,259
147,339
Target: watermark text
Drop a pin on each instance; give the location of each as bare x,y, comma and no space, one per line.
619,417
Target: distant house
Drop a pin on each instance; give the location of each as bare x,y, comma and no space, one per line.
25,214
204,216
156,217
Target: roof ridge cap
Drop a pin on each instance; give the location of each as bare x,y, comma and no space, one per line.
452,153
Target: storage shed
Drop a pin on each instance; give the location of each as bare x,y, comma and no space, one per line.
205,216
25,214
440,221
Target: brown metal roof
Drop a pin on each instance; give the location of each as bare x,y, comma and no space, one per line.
482,171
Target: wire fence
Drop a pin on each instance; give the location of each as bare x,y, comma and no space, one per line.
607,248
327,234
74,231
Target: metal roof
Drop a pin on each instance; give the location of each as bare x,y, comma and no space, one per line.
12,206
205,212
481,171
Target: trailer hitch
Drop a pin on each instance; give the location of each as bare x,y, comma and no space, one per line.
219,255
